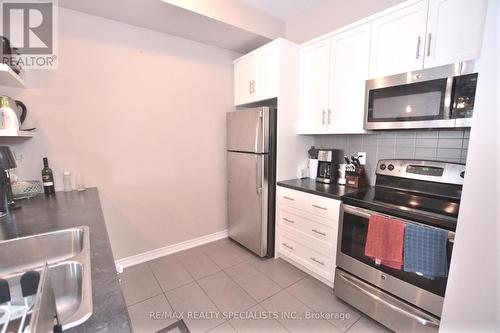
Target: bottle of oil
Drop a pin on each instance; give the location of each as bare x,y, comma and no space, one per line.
47,178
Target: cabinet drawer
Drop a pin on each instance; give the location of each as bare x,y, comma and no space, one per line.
319,261
329,208
291,198
315,204
324,248
309,224
316,262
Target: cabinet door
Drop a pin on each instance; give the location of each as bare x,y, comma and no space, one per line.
349,66
244,76
314,81
454,31
398,41
267,78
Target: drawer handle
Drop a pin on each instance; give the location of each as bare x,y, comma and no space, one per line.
288,198
319,207
317,261
319,232
287,220
287,246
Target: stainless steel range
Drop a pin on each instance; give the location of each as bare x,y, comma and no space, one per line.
419,194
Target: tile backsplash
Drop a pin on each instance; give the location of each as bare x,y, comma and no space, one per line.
443,145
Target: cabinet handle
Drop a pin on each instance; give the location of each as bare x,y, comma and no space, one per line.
289,221
318,232
287,246
253,87
288,198
323,118
319,207
329,116
317,261
250,87
429,44
418,47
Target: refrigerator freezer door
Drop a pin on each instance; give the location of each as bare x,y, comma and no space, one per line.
248,130
247,200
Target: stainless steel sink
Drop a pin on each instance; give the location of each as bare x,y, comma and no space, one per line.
68,254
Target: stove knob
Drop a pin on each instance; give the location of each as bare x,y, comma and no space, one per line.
390,167
382,166
462,174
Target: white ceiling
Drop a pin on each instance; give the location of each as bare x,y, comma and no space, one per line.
282,9
164,17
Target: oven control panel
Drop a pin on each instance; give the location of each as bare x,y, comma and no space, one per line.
441,172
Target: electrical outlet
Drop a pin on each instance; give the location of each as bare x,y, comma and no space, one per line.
362,158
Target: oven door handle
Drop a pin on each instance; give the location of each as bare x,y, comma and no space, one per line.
429,321
357,211
364,213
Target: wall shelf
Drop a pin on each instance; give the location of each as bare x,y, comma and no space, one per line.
20,134
9,78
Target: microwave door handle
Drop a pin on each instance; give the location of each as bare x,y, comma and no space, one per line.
448,107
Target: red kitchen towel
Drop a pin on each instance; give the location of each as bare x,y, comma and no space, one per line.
384,241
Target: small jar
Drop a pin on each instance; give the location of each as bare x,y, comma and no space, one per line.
67,181
80,182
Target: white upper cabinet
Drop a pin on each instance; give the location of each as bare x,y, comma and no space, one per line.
267,78
398,41
244,77
454,31
256,75
426,34
332,83
314,87
349,65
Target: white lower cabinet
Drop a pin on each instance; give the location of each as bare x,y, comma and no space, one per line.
307,227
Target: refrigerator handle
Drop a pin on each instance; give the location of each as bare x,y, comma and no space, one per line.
259,174
259,137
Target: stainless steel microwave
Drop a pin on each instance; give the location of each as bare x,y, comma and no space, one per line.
431,98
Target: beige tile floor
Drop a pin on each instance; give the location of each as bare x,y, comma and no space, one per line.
221,278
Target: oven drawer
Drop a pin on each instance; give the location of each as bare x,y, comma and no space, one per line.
315,204
317,227
317,262
397,315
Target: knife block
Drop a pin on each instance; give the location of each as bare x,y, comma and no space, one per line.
356,178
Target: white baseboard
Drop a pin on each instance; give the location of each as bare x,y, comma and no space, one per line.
163,251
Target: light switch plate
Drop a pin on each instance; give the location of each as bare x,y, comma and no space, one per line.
362,158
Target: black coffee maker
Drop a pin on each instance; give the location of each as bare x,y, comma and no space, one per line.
328,165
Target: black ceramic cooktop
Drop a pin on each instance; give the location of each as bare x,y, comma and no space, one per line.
434,210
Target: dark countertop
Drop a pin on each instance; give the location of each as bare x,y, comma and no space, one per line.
72,209
309,185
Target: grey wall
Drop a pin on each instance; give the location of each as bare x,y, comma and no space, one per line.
443,145
131,110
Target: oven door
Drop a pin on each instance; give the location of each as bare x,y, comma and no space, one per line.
427,294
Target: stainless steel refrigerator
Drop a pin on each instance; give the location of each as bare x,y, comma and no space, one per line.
251,168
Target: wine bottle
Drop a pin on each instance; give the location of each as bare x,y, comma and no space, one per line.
47,178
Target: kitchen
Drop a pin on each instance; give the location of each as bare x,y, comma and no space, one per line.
163,190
